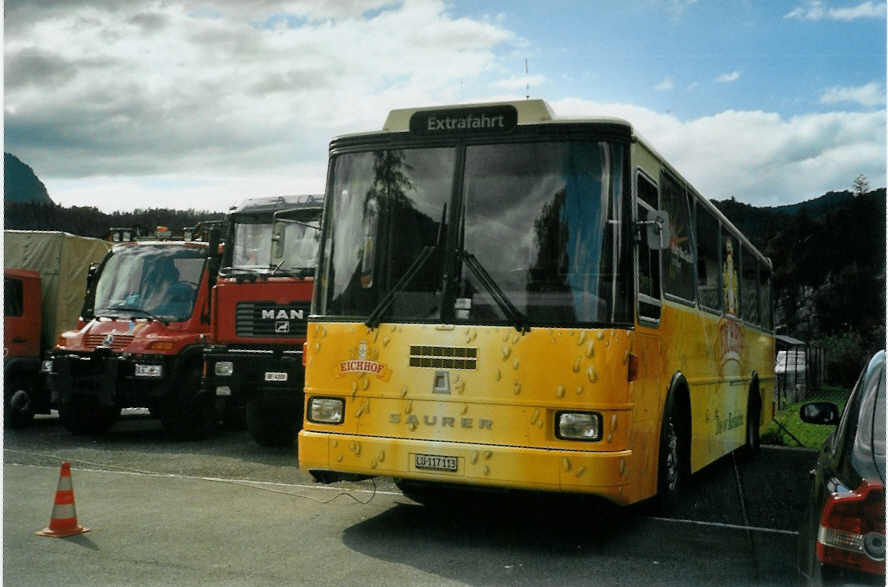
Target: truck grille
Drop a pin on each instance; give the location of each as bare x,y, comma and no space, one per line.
270,320
119,342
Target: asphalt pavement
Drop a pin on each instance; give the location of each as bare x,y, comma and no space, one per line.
226,512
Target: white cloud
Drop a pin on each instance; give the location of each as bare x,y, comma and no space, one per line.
816,10
761,157
520,82
871,94
727,78
665,85
237,89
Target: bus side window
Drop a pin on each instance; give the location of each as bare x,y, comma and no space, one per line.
765,297
749,304
648,258
730,280
678,259
708,262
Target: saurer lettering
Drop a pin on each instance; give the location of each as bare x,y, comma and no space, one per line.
443,422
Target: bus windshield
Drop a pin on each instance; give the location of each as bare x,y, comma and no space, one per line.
536,231
148,281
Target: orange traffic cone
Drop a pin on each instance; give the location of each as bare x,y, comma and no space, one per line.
63,520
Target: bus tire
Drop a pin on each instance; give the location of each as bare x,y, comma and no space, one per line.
669,471
424,494
82,415
18,402
269,425
753,433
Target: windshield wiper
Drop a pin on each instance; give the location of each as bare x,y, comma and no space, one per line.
386,301
145,313
418,263
519,320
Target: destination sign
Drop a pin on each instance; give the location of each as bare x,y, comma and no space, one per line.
464,120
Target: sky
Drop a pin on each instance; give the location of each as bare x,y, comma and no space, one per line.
139,104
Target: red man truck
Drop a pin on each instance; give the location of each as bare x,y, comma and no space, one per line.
261,303
140,339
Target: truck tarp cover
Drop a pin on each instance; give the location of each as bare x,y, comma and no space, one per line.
62,260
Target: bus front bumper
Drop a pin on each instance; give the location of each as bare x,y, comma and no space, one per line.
606,474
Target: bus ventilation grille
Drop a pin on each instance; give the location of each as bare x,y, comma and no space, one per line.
443,357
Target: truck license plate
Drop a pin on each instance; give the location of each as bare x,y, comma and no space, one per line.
436,463
275,376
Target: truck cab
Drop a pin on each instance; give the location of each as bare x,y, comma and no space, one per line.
23,395
140,340
260,306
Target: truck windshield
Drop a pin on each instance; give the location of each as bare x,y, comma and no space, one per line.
539,234
298,239
252,245
153,281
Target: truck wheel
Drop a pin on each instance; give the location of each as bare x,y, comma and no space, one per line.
189,414
271,425
85,416
18,403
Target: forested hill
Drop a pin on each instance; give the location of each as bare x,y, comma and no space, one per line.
829,268
90,221
20,183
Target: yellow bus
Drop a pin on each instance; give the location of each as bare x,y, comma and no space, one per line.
509,299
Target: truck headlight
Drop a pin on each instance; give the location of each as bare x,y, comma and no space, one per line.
149,370
578,425
224,368
326,410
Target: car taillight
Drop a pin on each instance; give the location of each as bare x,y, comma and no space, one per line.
852,529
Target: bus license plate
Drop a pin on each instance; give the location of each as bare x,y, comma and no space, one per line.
436,463
275,376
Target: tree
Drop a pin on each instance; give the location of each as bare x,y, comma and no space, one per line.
861,185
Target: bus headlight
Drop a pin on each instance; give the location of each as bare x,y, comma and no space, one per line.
149,370
224,368
578,425
326,410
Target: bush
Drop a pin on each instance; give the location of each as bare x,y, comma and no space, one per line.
846,354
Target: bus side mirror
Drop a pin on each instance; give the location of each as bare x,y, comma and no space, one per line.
657,226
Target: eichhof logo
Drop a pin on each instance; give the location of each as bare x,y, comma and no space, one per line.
362,364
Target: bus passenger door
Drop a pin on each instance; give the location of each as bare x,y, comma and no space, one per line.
648,390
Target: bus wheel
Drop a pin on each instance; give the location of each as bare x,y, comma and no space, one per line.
669,470
424,494
18,405
271,425
85,416
753,439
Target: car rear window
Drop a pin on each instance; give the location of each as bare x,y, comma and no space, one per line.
869,444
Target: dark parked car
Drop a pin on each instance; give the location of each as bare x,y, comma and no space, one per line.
842,538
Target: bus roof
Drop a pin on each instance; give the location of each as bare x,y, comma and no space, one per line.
529,112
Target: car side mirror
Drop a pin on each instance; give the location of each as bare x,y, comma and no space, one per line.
819,413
